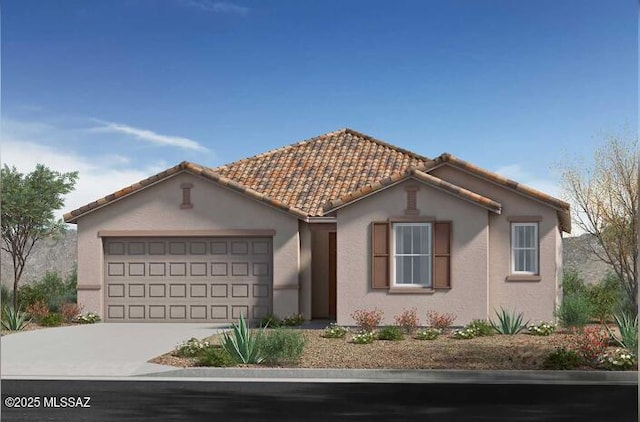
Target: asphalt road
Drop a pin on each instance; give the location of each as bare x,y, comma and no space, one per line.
65,400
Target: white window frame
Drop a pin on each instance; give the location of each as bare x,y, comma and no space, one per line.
429,254
536,248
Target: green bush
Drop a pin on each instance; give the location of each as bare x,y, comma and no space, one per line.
428,334
244,345
12,319
293,320
508,323
191,348
463,334
390,332
575,310
270,321
561,359
6,294
364,337
51,289
215,356
334,330
89,318
481,328
604,298
282,346
542,329
572,283
52,320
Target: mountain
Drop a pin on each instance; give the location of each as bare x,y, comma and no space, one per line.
47,255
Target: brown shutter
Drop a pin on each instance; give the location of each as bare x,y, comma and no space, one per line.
442,255
380,255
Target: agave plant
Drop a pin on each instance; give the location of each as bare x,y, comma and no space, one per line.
14,319
243,345
508,323
628,327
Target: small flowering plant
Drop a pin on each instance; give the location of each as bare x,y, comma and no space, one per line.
192,347
89,318
428,334
542,329
619,360
464,334
364,337
334,330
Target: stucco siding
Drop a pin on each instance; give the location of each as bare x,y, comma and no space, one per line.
468,296
535,299
214,208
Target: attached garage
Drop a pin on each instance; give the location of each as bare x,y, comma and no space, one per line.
187,279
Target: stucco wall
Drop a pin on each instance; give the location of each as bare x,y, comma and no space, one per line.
535,299
214,208
468,296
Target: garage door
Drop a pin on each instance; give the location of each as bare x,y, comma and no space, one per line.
187,279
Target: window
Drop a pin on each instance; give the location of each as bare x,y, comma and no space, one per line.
411,247
524,248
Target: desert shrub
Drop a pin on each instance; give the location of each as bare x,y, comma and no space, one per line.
191,348
591,343
628,328
508,323
89,318
70,310
623,305
271,321
604,298
364,337
428,334
13,319
334,330
390,332
542,329
619,360
573,283
464,334
215,356
282,346
52,320
243,345
439,320
51,288
293,320
481,328
561,359
6,294
575,310
38,310
367,319
408,320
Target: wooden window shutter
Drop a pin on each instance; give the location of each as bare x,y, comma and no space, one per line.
380,258
442,255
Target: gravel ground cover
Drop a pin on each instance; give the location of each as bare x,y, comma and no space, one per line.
517,352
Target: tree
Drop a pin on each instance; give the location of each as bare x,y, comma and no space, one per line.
28,203
604,196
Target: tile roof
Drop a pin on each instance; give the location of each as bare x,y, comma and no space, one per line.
310,173
562,207
312,177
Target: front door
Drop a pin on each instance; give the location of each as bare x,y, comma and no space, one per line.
332,275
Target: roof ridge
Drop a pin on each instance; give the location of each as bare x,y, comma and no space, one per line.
325,135
280,149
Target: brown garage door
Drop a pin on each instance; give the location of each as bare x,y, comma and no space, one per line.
187,279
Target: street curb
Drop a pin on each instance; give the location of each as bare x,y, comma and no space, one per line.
398,376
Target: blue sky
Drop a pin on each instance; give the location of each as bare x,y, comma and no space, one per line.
122,89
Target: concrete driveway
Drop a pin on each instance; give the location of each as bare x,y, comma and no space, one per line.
95,349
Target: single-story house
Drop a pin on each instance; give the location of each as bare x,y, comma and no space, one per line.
323,227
